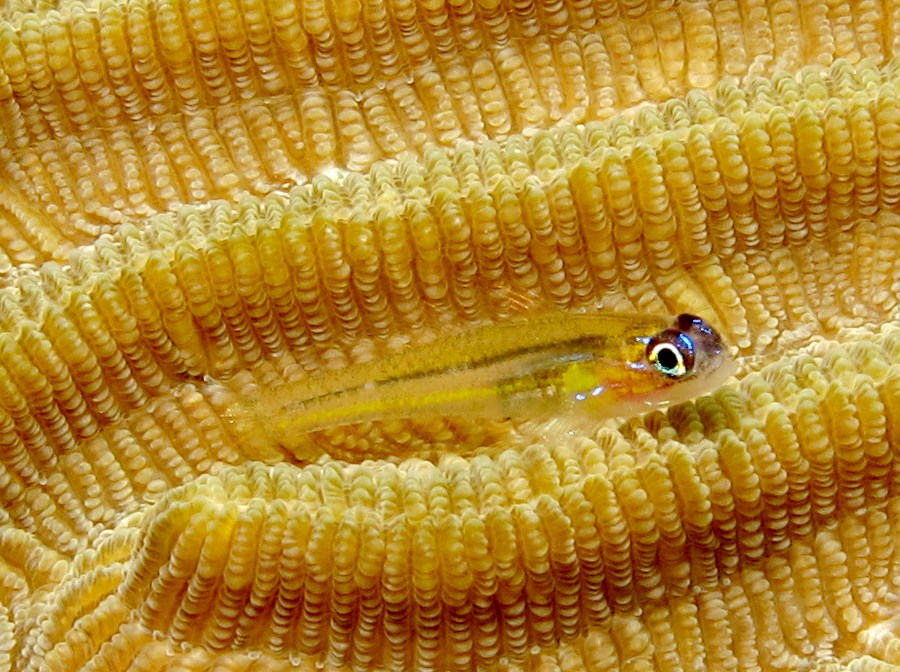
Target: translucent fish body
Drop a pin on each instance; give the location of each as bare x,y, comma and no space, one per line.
597,365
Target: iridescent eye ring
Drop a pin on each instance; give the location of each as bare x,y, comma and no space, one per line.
671,352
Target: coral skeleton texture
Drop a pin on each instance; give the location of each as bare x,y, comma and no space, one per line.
202,200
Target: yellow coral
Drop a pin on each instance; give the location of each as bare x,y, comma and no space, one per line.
761,541
247,192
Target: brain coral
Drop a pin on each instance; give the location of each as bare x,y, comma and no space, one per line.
199,200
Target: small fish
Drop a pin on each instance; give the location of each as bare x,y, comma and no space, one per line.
596,365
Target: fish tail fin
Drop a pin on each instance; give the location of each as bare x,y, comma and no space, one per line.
250,416
233,399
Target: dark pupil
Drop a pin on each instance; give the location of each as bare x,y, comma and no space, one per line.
667,358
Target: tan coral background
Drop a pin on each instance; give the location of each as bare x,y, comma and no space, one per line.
201,199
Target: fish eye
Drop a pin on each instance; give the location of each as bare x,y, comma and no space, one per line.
671,353
667,359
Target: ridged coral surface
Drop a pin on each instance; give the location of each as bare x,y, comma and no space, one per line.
202,200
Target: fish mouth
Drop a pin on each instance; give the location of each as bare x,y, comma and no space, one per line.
703,383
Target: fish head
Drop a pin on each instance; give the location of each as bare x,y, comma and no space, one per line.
653,365
685,360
